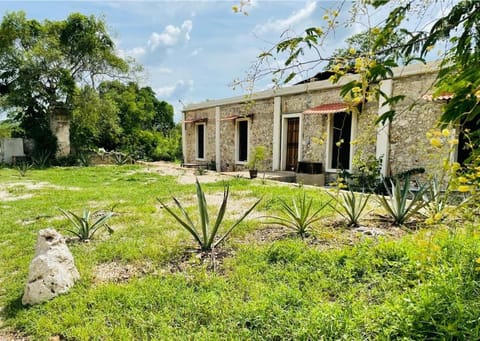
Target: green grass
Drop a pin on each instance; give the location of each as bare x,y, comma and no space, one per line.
425,285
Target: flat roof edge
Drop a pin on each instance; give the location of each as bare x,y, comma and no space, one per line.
399,72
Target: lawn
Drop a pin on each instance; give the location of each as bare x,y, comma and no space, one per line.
147,281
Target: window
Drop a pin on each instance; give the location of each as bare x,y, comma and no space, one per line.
242,141
340,132
200,138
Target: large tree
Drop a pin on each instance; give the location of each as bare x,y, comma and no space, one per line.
124,117
41,64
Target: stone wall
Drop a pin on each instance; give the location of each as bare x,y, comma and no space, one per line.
190,135
260,134
408,146
415,116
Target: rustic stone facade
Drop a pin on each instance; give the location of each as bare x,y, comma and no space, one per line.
403,148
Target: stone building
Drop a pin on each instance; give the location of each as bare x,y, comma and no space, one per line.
302,124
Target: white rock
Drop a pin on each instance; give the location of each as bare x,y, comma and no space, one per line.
52,271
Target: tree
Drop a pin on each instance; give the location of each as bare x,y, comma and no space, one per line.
42,63
361,44
124,117
387,45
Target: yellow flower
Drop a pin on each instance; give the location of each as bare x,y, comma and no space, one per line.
464,188
326,17
429,221
462,180
438,216
436,142
429,135
455,166
446,132
453,142
352,50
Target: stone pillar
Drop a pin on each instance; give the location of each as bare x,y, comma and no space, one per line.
184,138
383,130
60,127
277,127
218,156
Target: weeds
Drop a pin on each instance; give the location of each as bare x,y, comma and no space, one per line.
207,237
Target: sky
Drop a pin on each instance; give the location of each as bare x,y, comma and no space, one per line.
192,51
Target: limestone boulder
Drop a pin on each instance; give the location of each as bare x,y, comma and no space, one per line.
52,271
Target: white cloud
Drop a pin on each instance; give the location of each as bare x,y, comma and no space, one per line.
175,91
171,35
283,24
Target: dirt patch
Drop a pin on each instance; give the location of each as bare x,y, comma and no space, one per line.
211,260
120,273
11,191
12,336
266,235
184,175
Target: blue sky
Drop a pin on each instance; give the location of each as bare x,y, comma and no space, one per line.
192,50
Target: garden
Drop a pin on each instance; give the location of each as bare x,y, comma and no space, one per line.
231,258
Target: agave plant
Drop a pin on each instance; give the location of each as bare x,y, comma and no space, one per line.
298,216
351,206
398,204
120,158
206,235
23,167
87,224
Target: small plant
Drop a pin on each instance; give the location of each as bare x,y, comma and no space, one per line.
41,159
84,159
298,217
200,171
120,158
22,167
257,156
351,206
397,203
86,225
207,237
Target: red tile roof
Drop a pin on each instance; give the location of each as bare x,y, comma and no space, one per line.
330,108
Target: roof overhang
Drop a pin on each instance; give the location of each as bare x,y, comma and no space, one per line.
329,108
196,120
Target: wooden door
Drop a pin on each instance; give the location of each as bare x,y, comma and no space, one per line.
293,125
